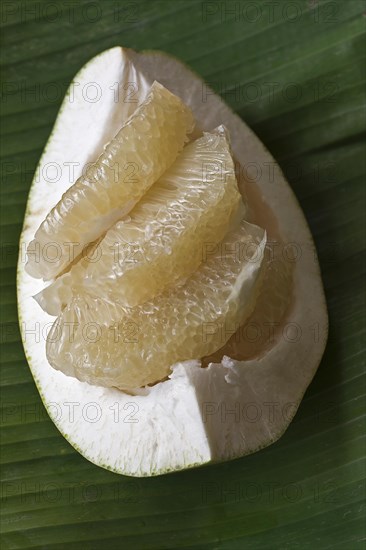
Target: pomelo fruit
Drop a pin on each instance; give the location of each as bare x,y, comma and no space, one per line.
187,419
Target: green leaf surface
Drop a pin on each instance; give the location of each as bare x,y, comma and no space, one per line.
295,72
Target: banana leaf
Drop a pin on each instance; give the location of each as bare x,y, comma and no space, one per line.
295,72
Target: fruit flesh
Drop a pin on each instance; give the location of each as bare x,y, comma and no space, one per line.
137,156
262,329
105,344
165,237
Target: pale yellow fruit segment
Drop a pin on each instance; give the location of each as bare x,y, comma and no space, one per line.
166,236
138,155
262,330
108,345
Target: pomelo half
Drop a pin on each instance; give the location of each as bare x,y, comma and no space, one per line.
198,415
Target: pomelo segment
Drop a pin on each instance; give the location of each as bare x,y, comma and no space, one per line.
165,237
146,145
107,345
264,326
